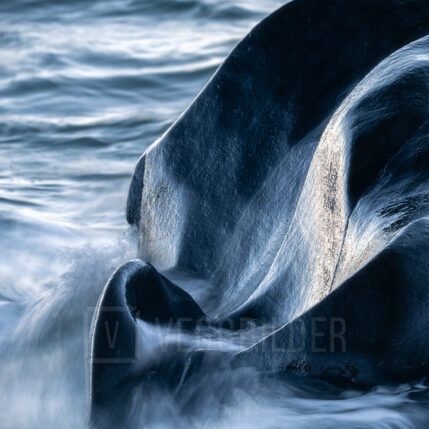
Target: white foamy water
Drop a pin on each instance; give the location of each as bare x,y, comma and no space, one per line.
85,89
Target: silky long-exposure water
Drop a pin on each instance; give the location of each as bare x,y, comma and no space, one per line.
85,88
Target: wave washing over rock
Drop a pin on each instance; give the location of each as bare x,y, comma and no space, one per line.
283,224
281,292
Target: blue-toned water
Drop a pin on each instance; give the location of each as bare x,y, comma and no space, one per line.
85,87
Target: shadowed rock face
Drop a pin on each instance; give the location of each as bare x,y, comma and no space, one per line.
227,191
296,185
369,330
136,291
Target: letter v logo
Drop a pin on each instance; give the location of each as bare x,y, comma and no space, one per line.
111,339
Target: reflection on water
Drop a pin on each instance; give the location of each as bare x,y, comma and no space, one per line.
85,87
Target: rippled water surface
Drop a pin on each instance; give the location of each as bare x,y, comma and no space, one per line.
85,87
